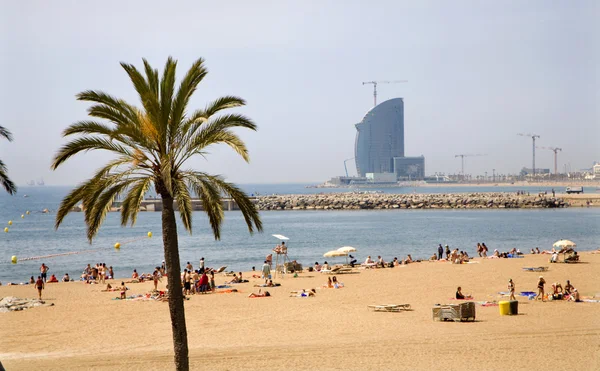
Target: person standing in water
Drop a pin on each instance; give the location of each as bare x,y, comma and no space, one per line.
44,271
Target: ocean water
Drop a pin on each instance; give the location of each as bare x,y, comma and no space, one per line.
390,233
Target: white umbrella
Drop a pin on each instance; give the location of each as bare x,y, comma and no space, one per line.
347,249
334,253
280,236
564,243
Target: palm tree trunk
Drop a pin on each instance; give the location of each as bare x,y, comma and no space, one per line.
176,309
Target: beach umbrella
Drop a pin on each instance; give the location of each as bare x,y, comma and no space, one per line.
347,249
564,243
281,237
334,253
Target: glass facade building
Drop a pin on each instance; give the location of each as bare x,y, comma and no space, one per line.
380,138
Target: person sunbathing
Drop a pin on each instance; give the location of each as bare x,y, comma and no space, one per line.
66,278
329,284
407,260
259,294
368,261
303,293
575,296
135,275
268,284
235,279
336,284
317,267
325,267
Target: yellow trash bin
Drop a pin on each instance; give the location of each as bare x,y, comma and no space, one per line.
504,308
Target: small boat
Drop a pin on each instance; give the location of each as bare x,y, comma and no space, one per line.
25,196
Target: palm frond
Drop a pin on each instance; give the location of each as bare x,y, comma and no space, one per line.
211,200
131,204
201,142
147,97
201,116
167,88
4,132
96,214
102,98
88,127
187,87
7,184
87,144
151,77
70,201
246,206
184,203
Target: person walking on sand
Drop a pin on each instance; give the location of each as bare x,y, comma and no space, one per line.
155,277
540,287
511,289
266,270
44,271
440,252
39,285
484,249
479,249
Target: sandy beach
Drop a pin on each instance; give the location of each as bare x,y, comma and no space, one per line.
334,330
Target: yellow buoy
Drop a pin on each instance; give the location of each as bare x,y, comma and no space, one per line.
27,212
6,229
117,246
149,234
22,216
13,259
10,222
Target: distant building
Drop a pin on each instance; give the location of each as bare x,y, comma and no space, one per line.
409,168
596,171
381,178
346,180
526,171
379,144
380,138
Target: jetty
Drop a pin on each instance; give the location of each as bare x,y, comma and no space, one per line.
384,201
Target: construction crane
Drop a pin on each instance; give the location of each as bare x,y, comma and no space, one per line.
380,82
532,136
555,150
346,168
462,161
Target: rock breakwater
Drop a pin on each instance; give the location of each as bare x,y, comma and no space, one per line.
383,201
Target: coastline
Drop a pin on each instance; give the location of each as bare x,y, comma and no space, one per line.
333,330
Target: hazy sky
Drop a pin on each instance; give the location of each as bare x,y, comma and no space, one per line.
479,73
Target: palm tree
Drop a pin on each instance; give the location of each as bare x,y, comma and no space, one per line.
10,187
152,145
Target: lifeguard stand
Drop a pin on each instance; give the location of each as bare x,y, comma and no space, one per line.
281,254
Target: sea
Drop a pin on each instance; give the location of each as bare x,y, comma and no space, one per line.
389,233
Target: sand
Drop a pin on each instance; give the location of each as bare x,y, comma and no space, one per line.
85,329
